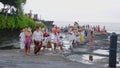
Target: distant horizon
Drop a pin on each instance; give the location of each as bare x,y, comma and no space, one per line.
66,23
88,21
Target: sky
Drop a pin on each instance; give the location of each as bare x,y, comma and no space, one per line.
75,10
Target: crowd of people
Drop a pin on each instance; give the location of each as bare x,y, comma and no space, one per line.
41,38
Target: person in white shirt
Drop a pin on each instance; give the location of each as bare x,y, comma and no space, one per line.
55,41
60,44
49,41
22,39
77,39
72,39
37,40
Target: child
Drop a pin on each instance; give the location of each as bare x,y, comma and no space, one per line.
49,41
55,41
60,44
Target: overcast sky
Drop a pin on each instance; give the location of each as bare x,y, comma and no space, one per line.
76,10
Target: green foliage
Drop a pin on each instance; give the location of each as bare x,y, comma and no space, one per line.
24,21
41,24
16,22
16,3
2,22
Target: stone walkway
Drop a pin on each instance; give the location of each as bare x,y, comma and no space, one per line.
17,59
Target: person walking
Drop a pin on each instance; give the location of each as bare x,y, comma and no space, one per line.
55,41
22,39
91,38
37,40
45,40
72,40
28,39
60,44
49,41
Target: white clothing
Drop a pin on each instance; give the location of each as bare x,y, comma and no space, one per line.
22,45
37,36
71,38
78,39
22,39
55,38
45,41
60,41
49,38
83,33
22,36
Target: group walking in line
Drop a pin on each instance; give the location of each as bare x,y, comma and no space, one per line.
42,39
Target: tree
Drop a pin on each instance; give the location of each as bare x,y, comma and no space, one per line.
16,3
4,2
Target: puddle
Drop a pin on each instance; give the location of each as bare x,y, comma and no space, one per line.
94,57
78,58
86,58
100,51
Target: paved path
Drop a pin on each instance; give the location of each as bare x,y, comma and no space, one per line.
17,59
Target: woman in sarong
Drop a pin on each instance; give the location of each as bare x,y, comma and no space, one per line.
28,35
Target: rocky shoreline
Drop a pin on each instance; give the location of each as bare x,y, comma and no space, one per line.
99,52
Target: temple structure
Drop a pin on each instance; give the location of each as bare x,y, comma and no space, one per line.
49,24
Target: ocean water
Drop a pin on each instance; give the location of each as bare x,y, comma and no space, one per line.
110,27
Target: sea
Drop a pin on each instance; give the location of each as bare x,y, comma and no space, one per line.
110,27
